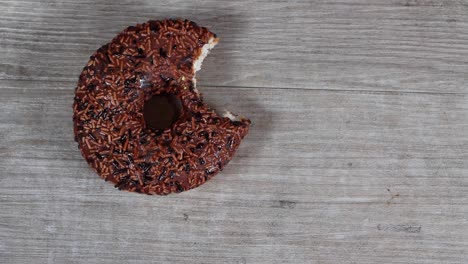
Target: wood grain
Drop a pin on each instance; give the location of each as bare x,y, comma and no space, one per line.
324,177
357,154
400,45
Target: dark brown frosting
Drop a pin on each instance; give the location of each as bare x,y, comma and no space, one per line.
144,62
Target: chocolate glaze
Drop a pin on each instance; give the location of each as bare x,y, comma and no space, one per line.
161,111
147,61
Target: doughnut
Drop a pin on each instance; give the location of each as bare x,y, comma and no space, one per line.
139,119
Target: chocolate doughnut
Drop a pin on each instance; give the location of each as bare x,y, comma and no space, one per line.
139,120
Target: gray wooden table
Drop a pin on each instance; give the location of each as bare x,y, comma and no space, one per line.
358,151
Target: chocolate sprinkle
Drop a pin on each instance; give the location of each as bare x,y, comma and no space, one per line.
151,59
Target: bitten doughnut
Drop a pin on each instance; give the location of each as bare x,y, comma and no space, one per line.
138,118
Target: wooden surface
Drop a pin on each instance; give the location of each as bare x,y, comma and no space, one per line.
358,151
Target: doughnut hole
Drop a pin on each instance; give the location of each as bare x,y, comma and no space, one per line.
161,111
